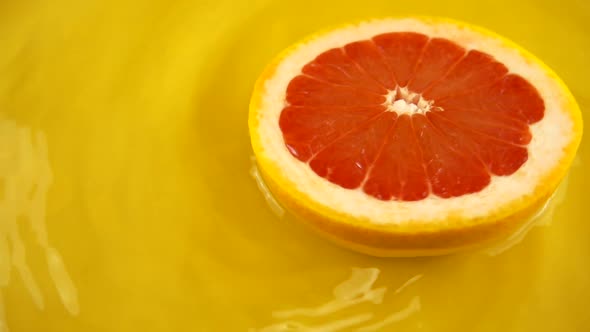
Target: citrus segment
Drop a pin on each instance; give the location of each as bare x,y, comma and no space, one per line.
309,91
399,171
474,70
512,96
336,67
345,161
401,51
451,171
301,125
500,157
436,59
371,60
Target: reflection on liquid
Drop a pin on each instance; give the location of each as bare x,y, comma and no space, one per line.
408,283
543,217
413,306
357,289
338,325
25,178
275,207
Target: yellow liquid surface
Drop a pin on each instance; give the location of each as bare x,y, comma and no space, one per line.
141,107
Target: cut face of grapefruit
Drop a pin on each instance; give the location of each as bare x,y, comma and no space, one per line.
412,136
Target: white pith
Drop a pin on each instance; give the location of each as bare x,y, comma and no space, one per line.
550,135
404,101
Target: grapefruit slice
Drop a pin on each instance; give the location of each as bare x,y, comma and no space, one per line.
410,137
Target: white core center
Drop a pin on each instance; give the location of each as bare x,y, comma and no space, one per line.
404,101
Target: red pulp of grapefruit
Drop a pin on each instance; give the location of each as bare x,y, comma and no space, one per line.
403,116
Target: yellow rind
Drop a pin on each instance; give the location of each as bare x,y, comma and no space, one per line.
413,238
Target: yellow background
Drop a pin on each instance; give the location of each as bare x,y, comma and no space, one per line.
144,104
